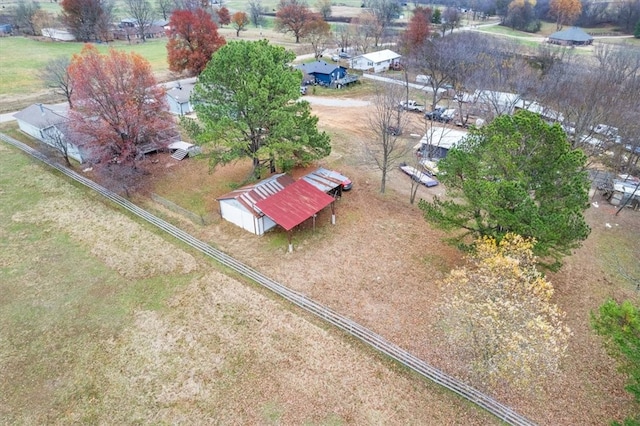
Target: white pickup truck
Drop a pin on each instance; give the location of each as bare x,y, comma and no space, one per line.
412,105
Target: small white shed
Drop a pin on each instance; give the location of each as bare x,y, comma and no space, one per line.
376,61
239,206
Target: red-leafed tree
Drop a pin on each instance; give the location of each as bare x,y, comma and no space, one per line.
239,21
418,29
193,39
224,17
292,17
118,106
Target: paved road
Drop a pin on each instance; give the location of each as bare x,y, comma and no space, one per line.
422,87
5,118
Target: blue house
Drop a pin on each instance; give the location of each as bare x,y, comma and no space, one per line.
325,74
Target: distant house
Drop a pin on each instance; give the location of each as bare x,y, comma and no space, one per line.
571,37
127,29
376,61
325,74
58,34
437,142
239,206
179,96
49,124
546,113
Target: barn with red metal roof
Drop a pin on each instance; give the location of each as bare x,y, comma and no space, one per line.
239,206
295,204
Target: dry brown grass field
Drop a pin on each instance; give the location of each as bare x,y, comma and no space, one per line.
104,321
381,263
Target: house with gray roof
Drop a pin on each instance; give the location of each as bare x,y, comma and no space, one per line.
325,74
50,124
573,36
179,96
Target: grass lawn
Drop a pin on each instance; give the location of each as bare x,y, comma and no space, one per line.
23,56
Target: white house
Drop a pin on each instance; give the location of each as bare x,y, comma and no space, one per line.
49,124
179,96
239,206
376,61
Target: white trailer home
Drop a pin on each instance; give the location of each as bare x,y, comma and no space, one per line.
376,61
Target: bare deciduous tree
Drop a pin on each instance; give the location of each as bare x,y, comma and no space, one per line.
369,32
387,122
318,34
256,10
25,16
143,13
165,7
344,36
56,76
324,8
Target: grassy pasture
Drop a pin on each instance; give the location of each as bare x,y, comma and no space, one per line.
22,57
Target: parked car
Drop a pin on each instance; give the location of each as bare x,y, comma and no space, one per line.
303,90
424,79
418,175
411,105
347,185
394,131
344,55
441,114
335,58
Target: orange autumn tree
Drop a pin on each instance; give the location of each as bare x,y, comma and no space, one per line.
418,29
239,22
499,318
118,106
565,11
193,39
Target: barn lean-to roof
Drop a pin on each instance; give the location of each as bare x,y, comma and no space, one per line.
294,204
248,196
325,180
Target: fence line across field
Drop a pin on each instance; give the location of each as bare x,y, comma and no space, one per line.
193,217
378,342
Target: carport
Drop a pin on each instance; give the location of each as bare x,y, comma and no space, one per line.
295,204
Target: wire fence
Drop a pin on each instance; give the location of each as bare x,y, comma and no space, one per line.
198,219
378,342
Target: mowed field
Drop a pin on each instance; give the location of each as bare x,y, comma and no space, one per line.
104,321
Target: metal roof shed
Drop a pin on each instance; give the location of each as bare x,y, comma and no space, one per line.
294,204
326,180
239,206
